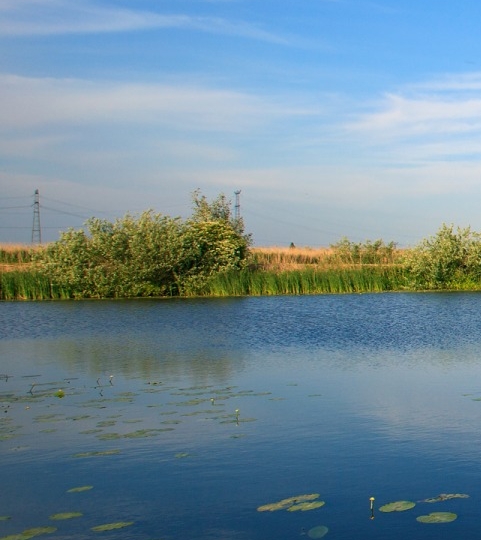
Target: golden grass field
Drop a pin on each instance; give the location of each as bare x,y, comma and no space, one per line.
16,257
270,258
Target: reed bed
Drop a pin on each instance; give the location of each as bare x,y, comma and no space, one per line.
29,285
279,259
17,253
307,281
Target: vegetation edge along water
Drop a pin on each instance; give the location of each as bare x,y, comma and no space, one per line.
209,254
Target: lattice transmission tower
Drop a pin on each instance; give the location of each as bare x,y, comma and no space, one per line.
237,205
36,230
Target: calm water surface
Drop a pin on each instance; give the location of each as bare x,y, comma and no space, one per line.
187,415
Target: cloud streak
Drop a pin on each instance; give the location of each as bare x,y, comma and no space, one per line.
31,102
435,121
56,17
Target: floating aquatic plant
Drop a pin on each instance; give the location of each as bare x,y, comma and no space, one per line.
437,517
96,453
5,518
398,506
79,489
49,418
317,532
109,436
141,433
284,504
106,423
305,506
65,515
446,497
30,533
112,526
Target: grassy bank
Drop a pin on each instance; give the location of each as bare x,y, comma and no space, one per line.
28,285
307,281
450,260
271,271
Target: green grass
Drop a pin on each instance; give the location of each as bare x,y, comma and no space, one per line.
28,286
307,281
35,286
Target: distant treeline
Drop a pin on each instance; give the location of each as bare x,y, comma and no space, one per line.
209,254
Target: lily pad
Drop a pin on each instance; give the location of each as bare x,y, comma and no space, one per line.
109,436
284,504
398,506
30,533
65,515
446,497
317,532
112,526
97,453
437,517
79,489
305,506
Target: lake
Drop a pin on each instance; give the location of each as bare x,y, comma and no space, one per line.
180,418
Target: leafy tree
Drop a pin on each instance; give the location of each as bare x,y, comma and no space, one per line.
213,242
148,255
450,259
130,257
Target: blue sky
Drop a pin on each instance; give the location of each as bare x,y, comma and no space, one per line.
333,117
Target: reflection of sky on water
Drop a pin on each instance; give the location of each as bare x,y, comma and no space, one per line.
351,395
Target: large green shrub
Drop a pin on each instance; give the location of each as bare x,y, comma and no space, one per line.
213,241
148,255
449,260
130,257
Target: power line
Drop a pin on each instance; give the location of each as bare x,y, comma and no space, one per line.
74,205
64,212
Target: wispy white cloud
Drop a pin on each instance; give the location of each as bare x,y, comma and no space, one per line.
29,102
433,121
56,17
399,116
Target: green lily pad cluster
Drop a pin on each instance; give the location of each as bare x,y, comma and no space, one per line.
293,504
437,517
445,497
433,517
79,489
299,503
112,526
27,534
317,532
65,515
62,516
398,506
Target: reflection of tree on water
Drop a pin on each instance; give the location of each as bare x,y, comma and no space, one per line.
151,361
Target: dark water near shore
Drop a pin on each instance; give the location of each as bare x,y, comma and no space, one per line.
187,415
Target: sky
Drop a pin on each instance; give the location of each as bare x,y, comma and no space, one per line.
333,118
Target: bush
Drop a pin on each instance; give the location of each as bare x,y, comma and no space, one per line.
449,260
151,255
377,252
